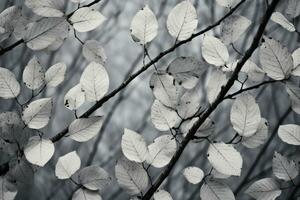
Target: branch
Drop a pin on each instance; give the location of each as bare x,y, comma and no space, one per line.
144,68
164,174
231,96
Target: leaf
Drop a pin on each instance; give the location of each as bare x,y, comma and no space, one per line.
215,190
225,158
134,146
144,26
131,176
218,175
37,113
39,151
9,86
193,175
259,137
7,190
161,151
186,71
55,74
182,20
67,165
214,51
46,8
92,50
165,89
264,189
233,27
296,59
74,98
94,81
294,93
84,129
8,20
163,118
283,168
245,115
293,8
33,74
86,19
85,194
227,3
189,103
216,80
162,195
44,32
280,19
290,133
94,178
276,60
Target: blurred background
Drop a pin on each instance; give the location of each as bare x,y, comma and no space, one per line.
131,107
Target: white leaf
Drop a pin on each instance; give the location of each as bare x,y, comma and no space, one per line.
163,118
182,20
233,27
94,81
46,8
74,98
218,175
280,19
186,71
259,137
227,3
144,26
94,178
33,74
162,195
245,115
193,175
44,32
283,168
296,59
161,151
86,19
9,86
84,194
290,133
84,129
37,113
225,158
7,190
294,93
165,89
134,146
92,50
216,80
215,190
293,8
189,103
55,74
214,51
276,60
39,151
264,189
67,165
9,19
131,176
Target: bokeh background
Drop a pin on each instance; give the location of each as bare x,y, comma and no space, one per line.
131,107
